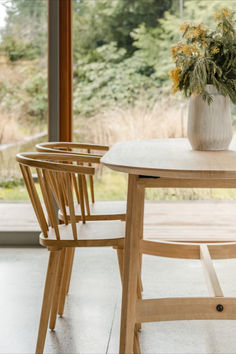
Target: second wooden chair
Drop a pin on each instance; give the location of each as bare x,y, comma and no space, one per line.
86,208
55,179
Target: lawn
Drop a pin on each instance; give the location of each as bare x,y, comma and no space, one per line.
113,186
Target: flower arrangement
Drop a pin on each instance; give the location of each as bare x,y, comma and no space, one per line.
206,57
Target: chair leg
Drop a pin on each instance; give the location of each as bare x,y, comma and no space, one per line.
64,282
70,269
120,256
141,263
55,300
136,349
47,299
139,289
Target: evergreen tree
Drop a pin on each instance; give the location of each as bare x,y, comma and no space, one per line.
25,32
102,21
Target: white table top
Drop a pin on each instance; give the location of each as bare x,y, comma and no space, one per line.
171,158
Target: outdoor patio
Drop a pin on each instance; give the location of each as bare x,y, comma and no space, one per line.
186,220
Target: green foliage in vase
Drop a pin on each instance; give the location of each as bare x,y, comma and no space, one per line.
206,57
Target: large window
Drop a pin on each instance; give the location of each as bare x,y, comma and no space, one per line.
121,64
122,88
23,87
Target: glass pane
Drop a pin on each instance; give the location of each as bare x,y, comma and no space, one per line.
23,87
122,88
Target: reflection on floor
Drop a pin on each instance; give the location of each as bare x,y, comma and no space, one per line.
91,320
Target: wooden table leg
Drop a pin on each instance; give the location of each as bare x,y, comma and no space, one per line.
140,284
131,263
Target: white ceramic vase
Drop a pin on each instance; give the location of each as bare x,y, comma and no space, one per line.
210,126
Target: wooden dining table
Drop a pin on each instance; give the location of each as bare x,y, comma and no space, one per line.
170,163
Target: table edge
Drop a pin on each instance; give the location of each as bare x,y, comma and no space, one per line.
187,174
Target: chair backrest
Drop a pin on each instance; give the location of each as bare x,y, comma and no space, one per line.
80,184
81,148
56,173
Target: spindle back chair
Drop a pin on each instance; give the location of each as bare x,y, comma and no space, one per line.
56,173
86,208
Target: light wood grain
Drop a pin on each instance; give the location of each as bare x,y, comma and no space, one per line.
170,249
162,182
86,197
51,210
47,299
91,234
55,174
100,210
63,287
70,270
176,166
212,281
190,221
85,153
71,205
38,211
81,198
187,250
52,161
175,309
131,265
137,349
171,158
52,146
55,300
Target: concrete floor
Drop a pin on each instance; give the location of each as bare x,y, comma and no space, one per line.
91,320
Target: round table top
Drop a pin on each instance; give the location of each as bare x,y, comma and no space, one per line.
172,158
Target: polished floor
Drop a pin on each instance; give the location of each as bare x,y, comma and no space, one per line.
91,320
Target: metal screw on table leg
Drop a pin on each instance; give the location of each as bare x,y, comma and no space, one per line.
219,307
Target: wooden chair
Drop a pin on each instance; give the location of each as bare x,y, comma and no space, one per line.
56,173
86,208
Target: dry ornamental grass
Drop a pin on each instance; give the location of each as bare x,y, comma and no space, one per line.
162,120
9,129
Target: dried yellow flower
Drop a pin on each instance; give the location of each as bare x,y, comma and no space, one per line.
196,56
215,50
183,27
175,77
190,49
196,31
187,49
176,48
223,13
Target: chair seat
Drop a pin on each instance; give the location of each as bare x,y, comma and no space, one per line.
91,234
101,210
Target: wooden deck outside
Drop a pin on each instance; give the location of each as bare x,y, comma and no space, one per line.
186,221
97,312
